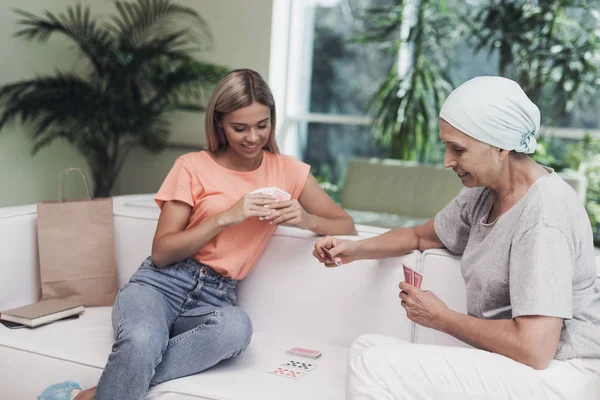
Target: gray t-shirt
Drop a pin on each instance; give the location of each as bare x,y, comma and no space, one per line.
536,259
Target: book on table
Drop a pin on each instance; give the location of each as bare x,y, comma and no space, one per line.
43,312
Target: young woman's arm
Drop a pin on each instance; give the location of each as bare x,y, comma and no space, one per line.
172,242
314,210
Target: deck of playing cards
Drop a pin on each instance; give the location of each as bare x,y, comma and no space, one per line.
412,278
302,352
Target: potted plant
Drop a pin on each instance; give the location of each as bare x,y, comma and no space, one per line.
140,67
406,106
551,48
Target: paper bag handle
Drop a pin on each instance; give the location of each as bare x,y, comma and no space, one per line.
61,182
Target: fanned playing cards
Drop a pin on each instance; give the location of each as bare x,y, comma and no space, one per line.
280,195
412,278
293,369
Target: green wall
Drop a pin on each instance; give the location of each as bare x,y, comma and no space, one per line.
241,30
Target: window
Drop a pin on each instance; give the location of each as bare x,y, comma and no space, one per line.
327,84
325,80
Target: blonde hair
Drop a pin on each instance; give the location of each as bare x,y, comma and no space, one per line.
239,88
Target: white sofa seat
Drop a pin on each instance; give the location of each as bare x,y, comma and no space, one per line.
56,350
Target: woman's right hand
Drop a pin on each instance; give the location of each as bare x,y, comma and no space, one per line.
249,205
342,251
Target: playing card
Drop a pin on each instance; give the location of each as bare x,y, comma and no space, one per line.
288,373
412,278
281,195
418,279
330,256
408,275
261,190
299,365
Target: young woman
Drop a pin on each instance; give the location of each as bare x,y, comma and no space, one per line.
177,315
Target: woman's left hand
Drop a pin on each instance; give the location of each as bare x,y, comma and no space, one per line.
289,213
422,306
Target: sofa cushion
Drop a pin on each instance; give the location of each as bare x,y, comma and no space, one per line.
82,346
384,220
398,187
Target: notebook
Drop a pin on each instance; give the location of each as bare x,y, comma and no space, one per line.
43,312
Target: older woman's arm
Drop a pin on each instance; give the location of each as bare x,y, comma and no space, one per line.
393,243
531,340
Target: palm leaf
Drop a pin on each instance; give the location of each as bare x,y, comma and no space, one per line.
185,81
63,96
141,20
143,69
77,25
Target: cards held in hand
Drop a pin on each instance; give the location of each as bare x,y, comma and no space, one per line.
412,278
330,256
43,312
280,195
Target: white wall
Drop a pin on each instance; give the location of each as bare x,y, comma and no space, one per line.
241,30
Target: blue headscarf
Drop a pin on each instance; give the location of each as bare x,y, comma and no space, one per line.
496,111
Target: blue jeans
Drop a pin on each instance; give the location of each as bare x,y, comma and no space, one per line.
169,323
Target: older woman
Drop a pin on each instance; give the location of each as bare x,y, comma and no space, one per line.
528,263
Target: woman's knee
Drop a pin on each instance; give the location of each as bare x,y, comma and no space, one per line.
235,326
372,339
145,339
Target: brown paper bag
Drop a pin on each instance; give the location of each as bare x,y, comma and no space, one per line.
76,248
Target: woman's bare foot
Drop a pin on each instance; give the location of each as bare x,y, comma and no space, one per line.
87,394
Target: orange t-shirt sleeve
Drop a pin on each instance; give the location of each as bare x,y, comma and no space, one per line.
298,172
178,185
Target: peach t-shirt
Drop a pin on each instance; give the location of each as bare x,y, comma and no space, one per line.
198,180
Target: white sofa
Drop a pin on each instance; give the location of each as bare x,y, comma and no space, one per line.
291,298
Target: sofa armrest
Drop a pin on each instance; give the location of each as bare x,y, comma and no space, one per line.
442,275
19,271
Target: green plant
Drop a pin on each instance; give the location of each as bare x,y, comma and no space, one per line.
140,66
585,150
592,204
584,157
552,48
322,174
406,106
545,155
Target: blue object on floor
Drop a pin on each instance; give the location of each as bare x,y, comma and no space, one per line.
59,391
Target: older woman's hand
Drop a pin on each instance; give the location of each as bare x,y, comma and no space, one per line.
422,306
